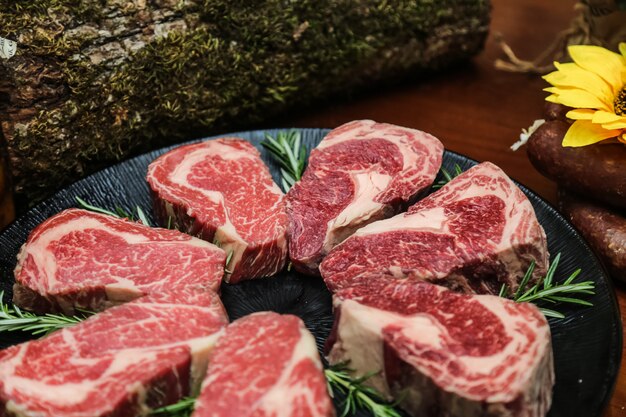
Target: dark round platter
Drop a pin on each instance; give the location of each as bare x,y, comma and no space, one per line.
587,343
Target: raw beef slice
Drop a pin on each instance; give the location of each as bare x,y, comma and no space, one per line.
361,172
475,234
82,259
441,353
221,191
122,362
265,365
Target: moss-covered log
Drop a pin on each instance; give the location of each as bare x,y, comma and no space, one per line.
95,81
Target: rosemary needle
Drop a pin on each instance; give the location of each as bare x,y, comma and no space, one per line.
287,149
12,318
119,212
358,395
447,177
182,408
338,379
546,291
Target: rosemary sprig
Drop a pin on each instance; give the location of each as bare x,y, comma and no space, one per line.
119,212
447,177
229,255
546,291
287,149
358,395
182,408
338,378
12,318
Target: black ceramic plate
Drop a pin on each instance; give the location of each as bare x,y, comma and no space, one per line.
587,343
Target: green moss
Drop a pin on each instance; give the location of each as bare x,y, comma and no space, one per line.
39,25
241,62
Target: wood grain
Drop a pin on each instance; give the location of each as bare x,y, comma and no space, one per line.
475,109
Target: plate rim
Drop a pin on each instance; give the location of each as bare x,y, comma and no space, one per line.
608,281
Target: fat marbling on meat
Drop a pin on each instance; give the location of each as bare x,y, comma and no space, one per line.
441,353
266,364
122,362
221,191
88,260
360,172
476,234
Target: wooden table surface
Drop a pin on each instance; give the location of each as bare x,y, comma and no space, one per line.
475,109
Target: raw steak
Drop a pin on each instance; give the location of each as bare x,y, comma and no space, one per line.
475,234
361,172
265,365
121,362
78,258
445,354
220,190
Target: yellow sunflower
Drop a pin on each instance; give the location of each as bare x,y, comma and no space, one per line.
595,86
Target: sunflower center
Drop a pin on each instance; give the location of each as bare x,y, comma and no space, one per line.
620,102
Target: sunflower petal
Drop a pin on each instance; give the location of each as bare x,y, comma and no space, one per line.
553,98
583,133
622,138
573,97
622,49
601,61
581,114
571,75
614,125
607,117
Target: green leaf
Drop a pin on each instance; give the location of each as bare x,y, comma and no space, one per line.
290,154
447,177
551,313
12,319
83,204
142,216
182,408
548,291
358,395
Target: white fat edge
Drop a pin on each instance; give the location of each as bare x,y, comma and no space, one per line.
362,131
279,400
46,261
432,220
19,410
216,148
230,241
367,186
226,234
365,132
211,148
360,339
273,187
123,290
7,366
526,365
71,393
76,393
201,349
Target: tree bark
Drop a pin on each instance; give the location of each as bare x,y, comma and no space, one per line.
94,82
